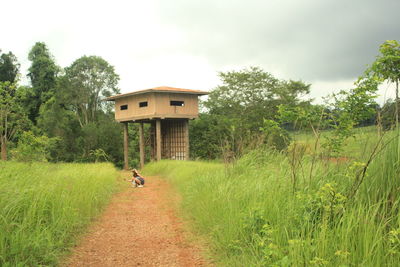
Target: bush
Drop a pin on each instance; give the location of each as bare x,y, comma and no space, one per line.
33,148
274,136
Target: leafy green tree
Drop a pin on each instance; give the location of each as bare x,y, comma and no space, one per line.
386,67
349,109
252,95
236,110
274,136
86,82
207,135
9,67
342,113
245,96
388,114
99,154
303,117
291,93
76,142
33,148
106,134
77,114
43,75
57,121
12,116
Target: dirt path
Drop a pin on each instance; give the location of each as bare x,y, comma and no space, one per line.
138,228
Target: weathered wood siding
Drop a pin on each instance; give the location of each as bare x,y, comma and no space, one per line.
158,106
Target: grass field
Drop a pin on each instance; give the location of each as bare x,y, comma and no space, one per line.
43,208
355,147
264,210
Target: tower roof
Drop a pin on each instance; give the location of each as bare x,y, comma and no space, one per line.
160,89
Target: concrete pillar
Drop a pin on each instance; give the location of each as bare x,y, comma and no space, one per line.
126,143
158,139
141,144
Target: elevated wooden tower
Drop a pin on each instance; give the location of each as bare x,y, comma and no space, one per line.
168,110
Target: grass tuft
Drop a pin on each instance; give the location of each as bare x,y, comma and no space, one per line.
43,207
253,217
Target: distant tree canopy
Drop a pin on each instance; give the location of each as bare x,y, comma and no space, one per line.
77,114
9,67
61,108
12,116
236,110
64,108
386,67
85,83
43,75
251,95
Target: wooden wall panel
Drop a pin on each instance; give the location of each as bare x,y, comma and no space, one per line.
133,106
158,107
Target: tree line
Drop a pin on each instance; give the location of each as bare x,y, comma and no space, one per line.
60,116
253,108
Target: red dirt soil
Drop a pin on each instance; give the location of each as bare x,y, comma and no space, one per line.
139,228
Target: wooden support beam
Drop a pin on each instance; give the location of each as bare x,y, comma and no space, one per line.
158,139
141,144
126,143
186,133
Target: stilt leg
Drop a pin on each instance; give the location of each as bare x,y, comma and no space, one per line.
126,142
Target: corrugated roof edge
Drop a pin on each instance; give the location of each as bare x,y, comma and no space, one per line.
161,89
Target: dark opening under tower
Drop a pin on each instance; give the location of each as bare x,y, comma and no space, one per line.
168,111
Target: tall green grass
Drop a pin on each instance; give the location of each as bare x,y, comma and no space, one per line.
254,216
43,207
355,147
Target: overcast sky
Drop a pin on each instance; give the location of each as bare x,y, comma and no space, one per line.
185,43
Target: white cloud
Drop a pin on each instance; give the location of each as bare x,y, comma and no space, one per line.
320,89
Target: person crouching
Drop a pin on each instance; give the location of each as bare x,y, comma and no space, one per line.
137,179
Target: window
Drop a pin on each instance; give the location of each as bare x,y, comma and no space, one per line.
124,107
177,103
142,104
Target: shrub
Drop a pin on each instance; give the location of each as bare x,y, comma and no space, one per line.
275,136
33,148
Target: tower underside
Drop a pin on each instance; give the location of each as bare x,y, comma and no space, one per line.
174,139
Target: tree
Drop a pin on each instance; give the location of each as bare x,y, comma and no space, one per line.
302,117
388,114
9,67
291,92
57,121
252,95
345,110
12,115
244,95
237,109
33,148
207,135
43,75
77,114
86,82
386,67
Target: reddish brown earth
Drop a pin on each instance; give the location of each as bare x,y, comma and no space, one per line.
139,228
